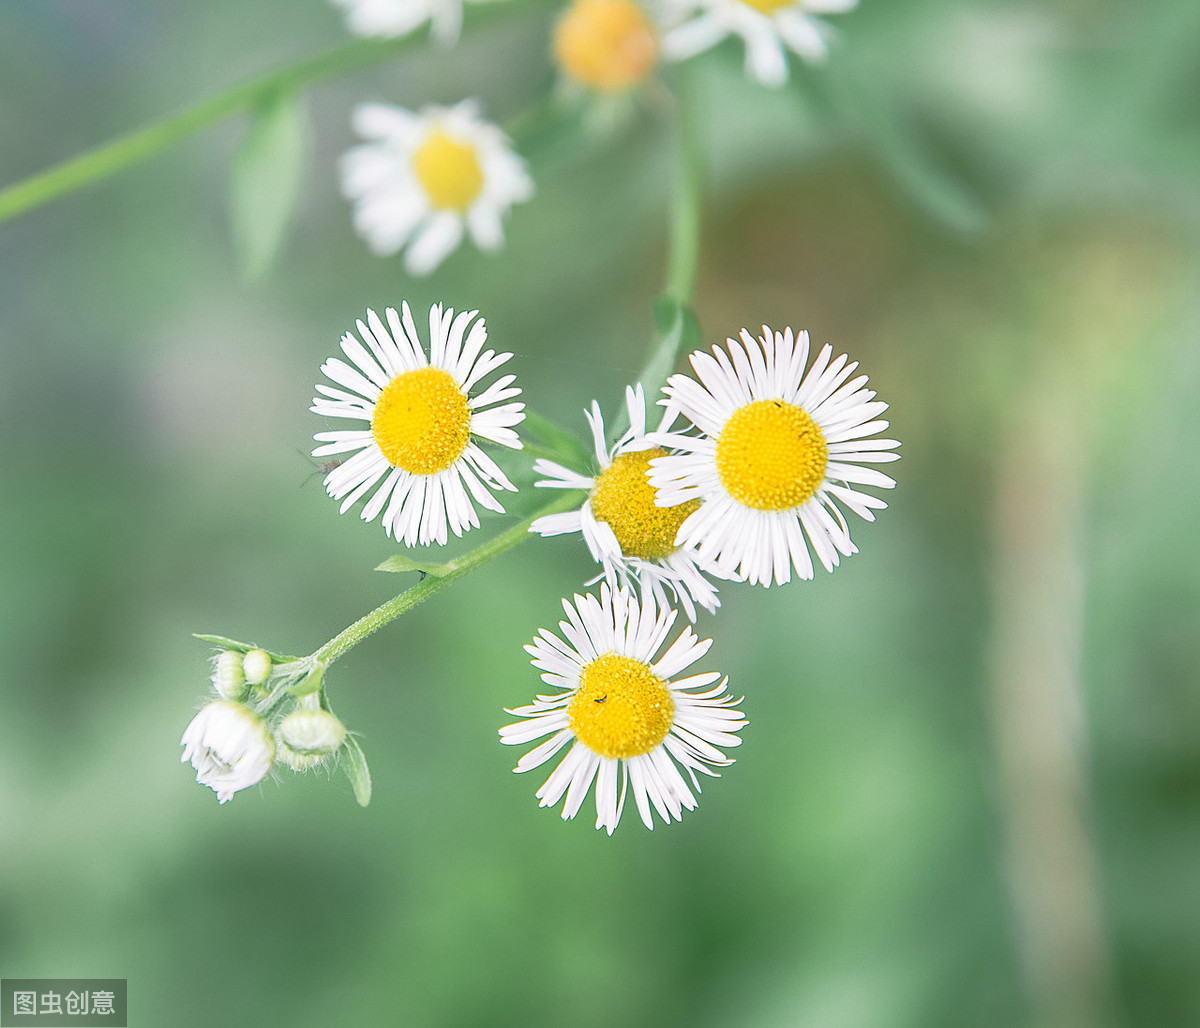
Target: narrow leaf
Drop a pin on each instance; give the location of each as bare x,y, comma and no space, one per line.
675,328
400,563
904,154
225,643
564,445
266,177
355,764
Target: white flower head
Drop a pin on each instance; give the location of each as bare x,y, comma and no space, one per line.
422,423
229,746
389,18
625,530
766,26
426,178
779,450
621,711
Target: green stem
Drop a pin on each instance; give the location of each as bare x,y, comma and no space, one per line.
675,321
684,253
109,158
493,548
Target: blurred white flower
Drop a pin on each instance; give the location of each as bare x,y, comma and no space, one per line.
606,45
766,26
426,178
387,18
229,746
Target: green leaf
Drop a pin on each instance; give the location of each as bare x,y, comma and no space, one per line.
266,176
225,643
400,563
904,154
355,765
678,330
567,448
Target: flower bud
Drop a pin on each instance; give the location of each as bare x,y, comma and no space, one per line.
229,746
308,737
256,665
228,677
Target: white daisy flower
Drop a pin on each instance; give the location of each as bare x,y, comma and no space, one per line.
766,26
388,18
779,448
422,423
624,529
230,747
622,712
426,177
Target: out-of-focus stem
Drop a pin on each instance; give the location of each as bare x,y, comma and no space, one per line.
684,252
1037,710
109,158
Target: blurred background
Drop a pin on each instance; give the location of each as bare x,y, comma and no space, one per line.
969,793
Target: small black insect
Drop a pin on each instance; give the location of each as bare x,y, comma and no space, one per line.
600,699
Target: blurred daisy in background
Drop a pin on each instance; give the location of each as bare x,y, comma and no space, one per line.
779,450
625,530
621,713
425,178
605,45
387,18
422,423
768,27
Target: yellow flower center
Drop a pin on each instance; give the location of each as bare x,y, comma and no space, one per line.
448,171
422,423
622,708
771,455
768,6
624,498
605,44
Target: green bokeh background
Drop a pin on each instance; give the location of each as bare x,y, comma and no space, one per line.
984,202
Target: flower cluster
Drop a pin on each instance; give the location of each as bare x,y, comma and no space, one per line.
256,721
748,491
744,476
424,180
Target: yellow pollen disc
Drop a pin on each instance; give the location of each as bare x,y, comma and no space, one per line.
422,423
771,455
768,6
623,497
605,44
622,708
448,171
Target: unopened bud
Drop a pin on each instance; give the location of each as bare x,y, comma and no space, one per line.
308,737
228,677
256,665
